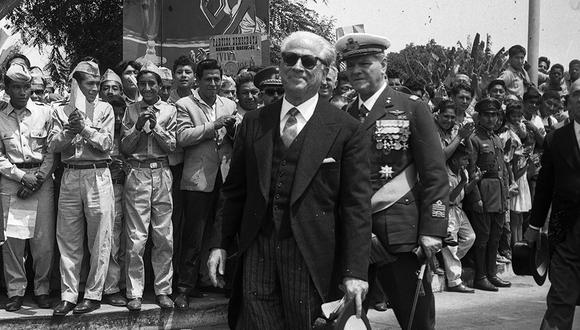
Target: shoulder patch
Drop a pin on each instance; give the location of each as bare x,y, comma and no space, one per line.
413,97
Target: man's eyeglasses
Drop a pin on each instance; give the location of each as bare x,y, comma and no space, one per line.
308,61
271,91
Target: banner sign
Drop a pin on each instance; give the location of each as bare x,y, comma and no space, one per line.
235,51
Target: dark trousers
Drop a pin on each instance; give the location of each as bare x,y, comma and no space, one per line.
564,274
505,247
487,227
399,281
177,216
199,210
277,291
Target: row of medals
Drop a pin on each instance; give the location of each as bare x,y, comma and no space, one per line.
392,135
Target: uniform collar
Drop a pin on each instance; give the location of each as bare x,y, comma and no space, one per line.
9,108
370,102
156,105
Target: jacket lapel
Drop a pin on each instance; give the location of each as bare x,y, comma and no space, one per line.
264,145
318,140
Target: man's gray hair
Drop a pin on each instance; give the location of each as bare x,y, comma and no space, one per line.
326,50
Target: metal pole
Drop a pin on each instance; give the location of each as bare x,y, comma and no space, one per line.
533,39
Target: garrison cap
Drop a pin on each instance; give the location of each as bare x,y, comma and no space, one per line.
361,44
110,75
36,82
152,68
269,76
488,104
88,67
165,73
18,72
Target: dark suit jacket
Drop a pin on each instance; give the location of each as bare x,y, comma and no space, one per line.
330,203
559,179
398,226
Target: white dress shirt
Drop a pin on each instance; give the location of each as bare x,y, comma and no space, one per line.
306,109
370,102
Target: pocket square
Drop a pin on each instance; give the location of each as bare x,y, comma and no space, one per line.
328,160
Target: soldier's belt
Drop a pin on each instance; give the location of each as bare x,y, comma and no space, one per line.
395,189
150,163
86,166
27,165
491,175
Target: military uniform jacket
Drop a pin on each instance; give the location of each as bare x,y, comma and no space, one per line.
488,156
409,136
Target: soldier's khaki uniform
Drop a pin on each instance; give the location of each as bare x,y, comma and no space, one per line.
86,201
147,196
23,150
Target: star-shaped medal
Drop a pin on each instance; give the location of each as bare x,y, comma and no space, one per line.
386,171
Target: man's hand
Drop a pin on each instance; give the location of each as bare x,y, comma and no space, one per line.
143,118
532,235
224,121
355,289
24,192
216,264
30,181
465,131
430,245
76,121
152,119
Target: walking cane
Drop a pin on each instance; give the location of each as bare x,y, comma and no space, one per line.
419,253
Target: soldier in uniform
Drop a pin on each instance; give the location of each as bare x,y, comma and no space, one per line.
111,85
115,279
407,212
82,132
490,195
26,189
148,136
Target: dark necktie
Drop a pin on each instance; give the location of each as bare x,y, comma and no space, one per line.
363,112
290,130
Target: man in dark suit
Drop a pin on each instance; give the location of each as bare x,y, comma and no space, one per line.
405,145
298,198
559,186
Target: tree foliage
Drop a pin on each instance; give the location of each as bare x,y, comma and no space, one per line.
435,64
287,16
79,27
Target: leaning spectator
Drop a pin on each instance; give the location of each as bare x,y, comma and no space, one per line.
128,70
327,87
247,93
462,95
451,134
183,78
515,77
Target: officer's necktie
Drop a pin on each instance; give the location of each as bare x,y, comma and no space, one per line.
363,112
290,130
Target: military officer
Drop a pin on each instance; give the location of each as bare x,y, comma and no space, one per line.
148,136
490,195
270,85
26,189
82,132
407,212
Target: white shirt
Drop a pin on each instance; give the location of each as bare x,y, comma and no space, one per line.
209,110
370,102
306,109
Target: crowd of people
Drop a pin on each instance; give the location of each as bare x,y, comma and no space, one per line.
283,170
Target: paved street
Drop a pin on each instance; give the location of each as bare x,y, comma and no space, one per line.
519,307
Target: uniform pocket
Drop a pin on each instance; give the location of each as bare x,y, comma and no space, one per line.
38,139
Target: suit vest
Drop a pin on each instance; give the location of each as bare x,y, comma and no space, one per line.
284,162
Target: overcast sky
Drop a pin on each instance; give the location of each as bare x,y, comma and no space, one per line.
449,21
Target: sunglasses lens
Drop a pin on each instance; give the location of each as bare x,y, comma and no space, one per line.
309,61
290,58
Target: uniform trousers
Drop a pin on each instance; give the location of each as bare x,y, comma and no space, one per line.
277,290
148,202
399,281
487,227
85,209
41,245
115,279
199,210
564,275
462,232
177,215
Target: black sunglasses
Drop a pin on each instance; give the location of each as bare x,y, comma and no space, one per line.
273,91
308,61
